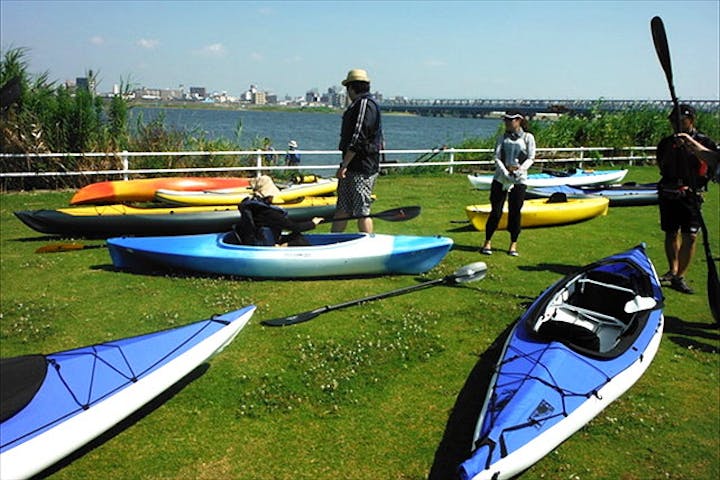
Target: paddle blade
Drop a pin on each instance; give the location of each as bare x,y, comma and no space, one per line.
65,247
294,319
661,46
398,214
468,273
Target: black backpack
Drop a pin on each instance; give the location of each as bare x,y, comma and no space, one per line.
247,232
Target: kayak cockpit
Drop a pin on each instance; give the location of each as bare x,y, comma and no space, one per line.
598,312
20,379
315,240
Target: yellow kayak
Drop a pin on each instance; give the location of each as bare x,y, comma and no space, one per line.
539,212
236,195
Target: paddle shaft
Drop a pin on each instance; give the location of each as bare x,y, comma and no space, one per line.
393,215
310,314
663,52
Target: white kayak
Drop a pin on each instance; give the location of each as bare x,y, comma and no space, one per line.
551,178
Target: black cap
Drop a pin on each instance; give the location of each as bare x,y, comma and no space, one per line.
685,110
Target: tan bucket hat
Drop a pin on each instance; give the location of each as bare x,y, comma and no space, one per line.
356,75
263,186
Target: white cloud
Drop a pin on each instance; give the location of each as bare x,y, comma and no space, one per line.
213,50
255,56
148,43
97,40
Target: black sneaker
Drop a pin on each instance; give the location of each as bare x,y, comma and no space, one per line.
679,284
668,277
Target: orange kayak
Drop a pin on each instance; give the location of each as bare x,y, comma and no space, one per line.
143,189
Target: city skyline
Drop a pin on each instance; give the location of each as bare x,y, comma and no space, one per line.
414,49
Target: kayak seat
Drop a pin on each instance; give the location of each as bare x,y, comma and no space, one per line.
604,292
570,332
590,312
557,197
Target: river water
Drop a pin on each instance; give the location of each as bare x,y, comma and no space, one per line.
318,131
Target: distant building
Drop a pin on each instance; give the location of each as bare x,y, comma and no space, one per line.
198,93
312,96
334,97
258,98
82,83
147,93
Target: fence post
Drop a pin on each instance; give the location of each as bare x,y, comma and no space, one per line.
125,164
259,163
451,159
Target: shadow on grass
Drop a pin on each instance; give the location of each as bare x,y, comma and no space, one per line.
551,267
133,418
457,439
466,248
466,227
675,327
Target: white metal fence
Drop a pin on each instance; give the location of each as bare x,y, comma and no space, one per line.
264,163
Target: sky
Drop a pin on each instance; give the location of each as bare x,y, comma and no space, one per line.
578,49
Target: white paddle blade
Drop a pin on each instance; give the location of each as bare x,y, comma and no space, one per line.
470,273
638,304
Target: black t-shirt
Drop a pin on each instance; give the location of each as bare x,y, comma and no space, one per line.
679,166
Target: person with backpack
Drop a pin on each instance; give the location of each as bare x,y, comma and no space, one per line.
685,160
514,154
361,140
262,223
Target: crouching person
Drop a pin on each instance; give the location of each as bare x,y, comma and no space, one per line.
262,223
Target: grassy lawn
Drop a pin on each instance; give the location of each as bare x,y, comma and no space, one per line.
388,390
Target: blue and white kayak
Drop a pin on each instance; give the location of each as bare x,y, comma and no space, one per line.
329,255
624,195
54,404
583,342
550,178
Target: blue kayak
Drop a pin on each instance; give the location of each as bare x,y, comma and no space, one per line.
582,343
329,255
54,404
624,195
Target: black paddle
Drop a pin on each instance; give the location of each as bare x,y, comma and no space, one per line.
400,214
663,52
468,273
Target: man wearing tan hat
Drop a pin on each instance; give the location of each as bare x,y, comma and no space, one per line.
262,223
361,140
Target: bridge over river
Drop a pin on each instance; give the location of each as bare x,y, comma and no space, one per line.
487,107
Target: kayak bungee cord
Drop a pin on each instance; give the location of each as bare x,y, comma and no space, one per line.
98,357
